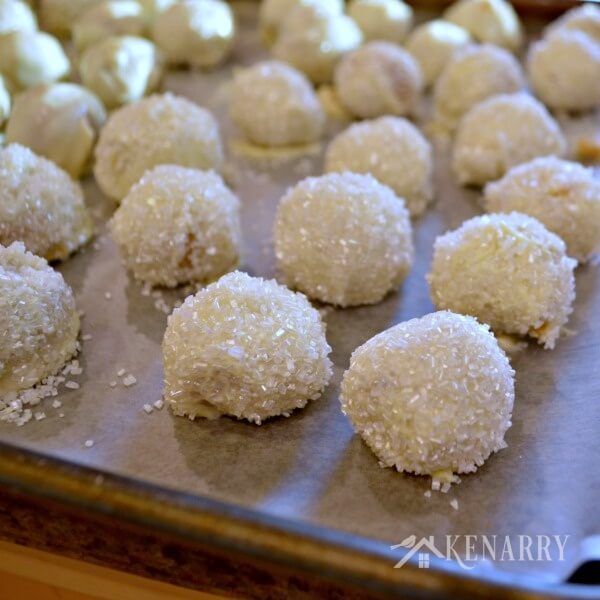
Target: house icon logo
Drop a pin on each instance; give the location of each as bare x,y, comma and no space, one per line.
424,548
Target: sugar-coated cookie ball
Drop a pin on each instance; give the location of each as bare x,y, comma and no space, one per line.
161,129
16,16
502,132
5,102
38,319
178,225
431,395
433,44
344,239
58,16
59,121
388,20
273,104
40,205
508,271
585,18
489,21
472,75
198,33
378,79
121,70
391,149
563,195
244,347
564,70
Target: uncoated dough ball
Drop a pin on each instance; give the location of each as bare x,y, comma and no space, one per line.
178,225
4,102
388,20
16,16
378,79
391,149
58,16
198,33
564,70
343,238
508,271
244,347
564,196
59,121
273,104
585,18
502,132
40,205
161,129
472,75
38,319
431,395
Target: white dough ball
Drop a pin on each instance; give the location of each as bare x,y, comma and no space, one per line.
388,20
5,102
343,238
16,16
502,132
38,319
160,129
273,104
585,18
58,16
508,271
432,395
244,347
391,149
378,79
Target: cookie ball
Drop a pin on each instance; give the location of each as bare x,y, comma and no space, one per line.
508,271
121,70
38,319
273,104
433,44
153,8
244,347
58,16
59,121
584,18
431,395
160,129
391,149
40,205
563,195
378,79
5,102
502,132
197,33
178,225
473,74
16,16
388,20
488,21
344,239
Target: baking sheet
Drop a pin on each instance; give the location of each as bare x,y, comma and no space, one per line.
311,467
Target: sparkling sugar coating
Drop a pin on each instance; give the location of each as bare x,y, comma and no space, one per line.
388,20
344,239
244,347
431,394
391,149
160,129
178,225
508,271
40,205
502,132
38,320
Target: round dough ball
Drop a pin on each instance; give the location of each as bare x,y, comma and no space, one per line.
273,104
388,20
431,395
433,44
4,102
244,347
585,18
472,75
564,70
391,149
161,129
38,319
153,8
40,205
490,21
344,239
16,16
508,271
121,70
58,16
564,196
178,225
378,79
59,121
502,132
198,33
